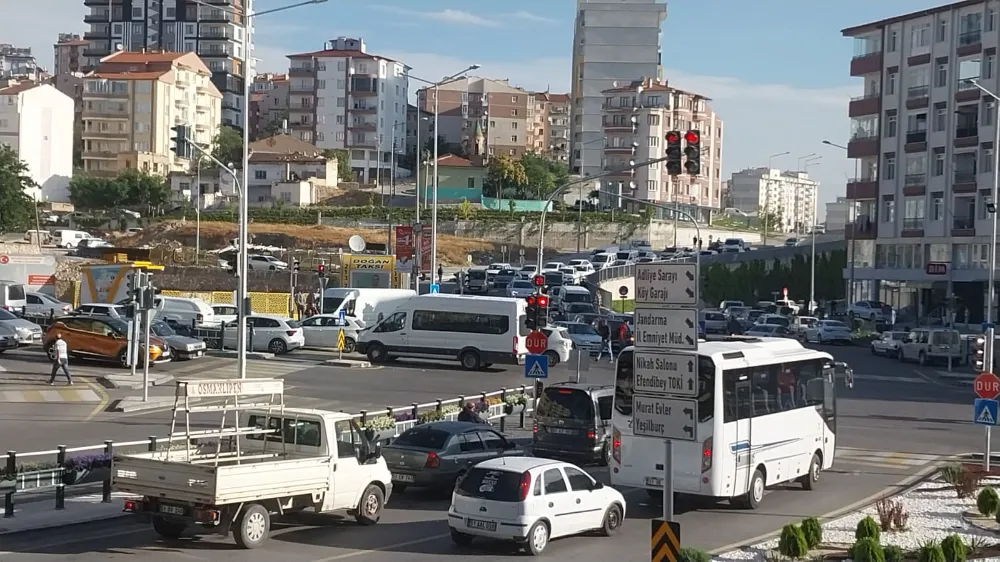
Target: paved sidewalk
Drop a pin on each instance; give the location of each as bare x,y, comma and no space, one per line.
39,512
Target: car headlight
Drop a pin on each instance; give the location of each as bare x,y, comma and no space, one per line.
155,348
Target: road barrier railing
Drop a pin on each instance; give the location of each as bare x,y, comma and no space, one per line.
54,470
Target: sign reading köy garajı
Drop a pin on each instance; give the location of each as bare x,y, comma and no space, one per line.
666,284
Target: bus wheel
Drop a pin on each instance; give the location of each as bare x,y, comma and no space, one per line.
755,493
810,479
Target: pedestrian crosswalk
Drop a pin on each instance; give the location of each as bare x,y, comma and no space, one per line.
207,368
37,395
847,458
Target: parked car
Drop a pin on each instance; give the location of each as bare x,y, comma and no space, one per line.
8,338
101,309
774,319
225,313
932,345
504,277
829,331
181,347
520,288
323,330
888,345
768,331
517,499
584,335
436,454
260,262
870,310
28,333
99,337
800,324
274,334
560,344
715,322
40,304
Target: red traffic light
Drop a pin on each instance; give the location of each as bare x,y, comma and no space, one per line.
539,280
692,137
674,137
321,268
531,301
543,301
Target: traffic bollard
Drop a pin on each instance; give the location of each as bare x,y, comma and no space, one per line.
109,450
8,499
60,485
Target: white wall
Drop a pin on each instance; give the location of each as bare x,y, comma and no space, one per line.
46,141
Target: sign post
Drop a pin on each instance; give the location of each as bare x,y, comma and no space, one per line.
665,363
341,343
986,408
622,292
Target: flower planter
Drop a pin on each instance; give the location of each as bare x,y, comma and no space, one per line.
511,409
85,475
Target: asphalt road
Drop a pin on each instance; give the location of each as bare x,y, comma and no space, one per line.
895,422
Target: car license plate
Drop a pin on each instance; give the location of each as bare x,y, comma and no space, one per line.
172,510
402,477
654,481
558,431
484,525
37,337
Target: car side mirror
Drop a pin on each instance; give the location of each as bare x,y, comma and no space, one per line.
509,446
596,486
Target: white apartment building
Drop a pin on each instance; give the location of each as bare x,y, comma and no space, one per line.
658,109
36,120
614,41
922,136
214,29
19,63
343,97
789,196
838,214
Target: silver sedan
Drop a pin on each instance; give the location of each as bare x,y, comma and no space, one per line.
520,289
28,333
323,330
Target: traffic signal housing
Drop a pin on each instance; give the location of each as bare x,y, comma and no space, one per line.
982,348
179,141
693,152
321,270
674,153
531,313
541,312
295,266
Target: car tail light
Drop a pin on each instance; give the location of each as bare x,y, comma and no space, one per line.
565,391
202,515
525,485
290,332
706,455
433,461
591,434
515,345
131,506
616,446
534,427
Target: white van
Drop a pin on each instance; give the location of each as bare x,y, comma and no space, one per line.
12,297
476,331
572,294
365,305
183,311
70,238
602,261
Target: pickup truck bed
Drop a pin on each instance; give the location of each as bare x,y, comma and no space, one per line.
235,480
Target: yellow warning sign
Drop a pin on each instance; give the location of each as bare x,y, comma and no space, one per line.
340,341
665,541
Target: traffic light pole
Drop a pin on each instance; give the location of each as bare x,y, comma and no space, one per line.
989,340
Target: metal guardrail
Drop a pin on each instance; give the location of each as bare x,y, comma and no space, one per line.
40,475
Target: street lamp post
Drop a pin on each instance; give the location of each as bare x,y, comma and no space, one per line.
851,218
991,291
767,194
812,261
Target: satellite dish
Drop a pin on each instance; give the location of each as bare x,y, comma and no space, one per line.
614,84
357,243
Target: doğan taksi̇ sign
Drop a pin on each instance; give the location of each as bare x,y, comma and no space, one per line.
360,271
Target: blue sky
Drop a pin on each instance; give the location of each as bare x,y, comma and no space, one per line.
777,70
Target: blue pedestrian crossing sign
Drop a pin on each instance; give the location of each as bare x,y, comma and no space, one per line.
985,411
342,317
536,366
435,288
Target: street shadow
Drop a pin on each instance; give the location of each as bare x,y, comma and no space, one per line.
428,365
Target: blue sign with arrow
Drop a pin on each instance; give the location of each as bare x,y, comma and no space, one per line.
984,411
435,288
536,366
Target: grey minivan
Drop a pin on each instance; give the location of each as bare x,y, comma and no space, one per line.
573,420
13,298
475,280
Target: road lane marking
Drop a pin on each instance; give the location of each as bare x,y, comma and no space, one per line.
102,405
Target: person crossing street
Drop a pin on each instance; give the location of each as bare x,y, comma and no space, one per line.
60,360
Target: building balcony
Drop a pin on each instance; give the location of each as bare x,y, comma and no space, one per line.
913,223
96,18
364,109
363,144
216,16
963,226
618,149
301,107
969,43
100,34
104,135
868,63
915,180
863,145
862,188
100,4
863,228
215,53
964,182
301,124
105,95
967,93
209,34
611,126
105,115
363,94
966,137
918,97
99,155
870,104
302,71
614,107
361,127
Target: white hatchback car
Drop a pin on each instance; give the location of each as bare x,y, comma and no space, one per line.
531,501
273,334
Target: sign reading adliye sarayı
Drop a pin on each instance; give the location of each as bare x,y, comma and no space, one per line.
666,284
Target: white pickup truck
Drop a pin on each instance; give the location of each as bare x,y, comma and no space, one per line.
309,460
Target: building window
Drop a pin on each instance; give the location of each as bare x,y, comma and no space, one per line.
941,75
937,206
340,102
653,120
654,140
991,19
470,183
920,36
651,186
890,124
513,138
913,208
890,85
890,167
940,117
987,160
340,137
136,13
938,162
942,30
260,174
341,65
893,41
988,65
989,111
888,210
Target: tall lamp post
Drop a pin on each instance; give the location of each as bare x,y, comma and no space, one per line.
851,218
991,291
434,196
767,193
812,261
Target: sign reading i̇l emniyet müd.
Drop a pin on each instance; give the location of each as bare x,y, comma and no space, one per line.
665,364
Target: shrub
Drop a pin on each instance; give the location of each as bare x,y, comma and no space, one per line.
893,553
688,554
930,551
813,531
988,501
380,423
792,543
867,550
952,474
891,515
968,482
953,549
428,416
867,529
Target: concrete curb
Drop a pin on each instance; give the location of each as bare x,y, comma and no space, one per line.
127,382
349,363
53,525
228,353
135,404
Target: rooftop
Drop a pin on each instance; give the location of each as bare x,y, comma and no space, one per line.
454,161
142,57
18,88
872,26
284,148
337,53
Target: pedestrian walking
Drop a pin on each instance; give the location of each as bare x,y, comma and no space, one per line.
60,360
300,304
440,275
310,304
605,332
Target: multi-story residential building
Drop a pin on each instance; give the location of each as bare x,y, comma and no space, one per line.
418,125
18,63
838,213
343,97
657,109
268,105
214,29
552,126
69,57
481,116
131,102
614,42
36,120
788,198
922,140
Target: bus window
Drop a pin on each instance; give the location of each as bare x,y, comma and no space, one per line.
706,389
769,389
623,383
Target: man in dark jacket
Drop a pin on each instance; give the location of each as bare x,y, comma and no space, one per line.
469,414
605,332
735,328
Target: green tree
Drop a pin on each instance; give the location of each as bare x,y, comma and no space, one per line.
227,145
504,176
540,180
771,220
343,158
142,189
88,192
17,210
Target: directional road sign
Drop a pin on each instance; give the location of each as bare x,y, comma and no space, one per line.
666,284
435,288
666,418
987,386
984,412
659,373
666,329
536,366
537,342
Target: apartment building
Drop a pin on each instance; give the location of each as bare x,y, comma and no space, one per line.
344,97
214,29
419,124
36,120
268,105
657,109
838,213
481,116
922,139
131,102
614,42
18,63
550,128
788,197
69,57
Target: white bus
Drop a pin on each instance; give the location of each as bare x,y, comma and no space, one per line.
767,414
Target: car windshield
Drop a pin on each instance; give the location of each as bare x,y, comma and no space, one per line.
522,285
293,324
565,404
601,258
423,437
765,328
577,297
477,274
4,315
737,310
833,324
582,329
898,336
714,316
580,308
776,320
733,242
508,273
493,485
163,329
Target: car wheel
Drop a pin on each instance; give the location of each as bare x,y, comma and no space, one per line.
253,526
349,345
754,495
810,480
872,348
370,509
605,455
538,538
612,521
168,529
377,353
553,357
470,360
461,539
277,346
122,359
